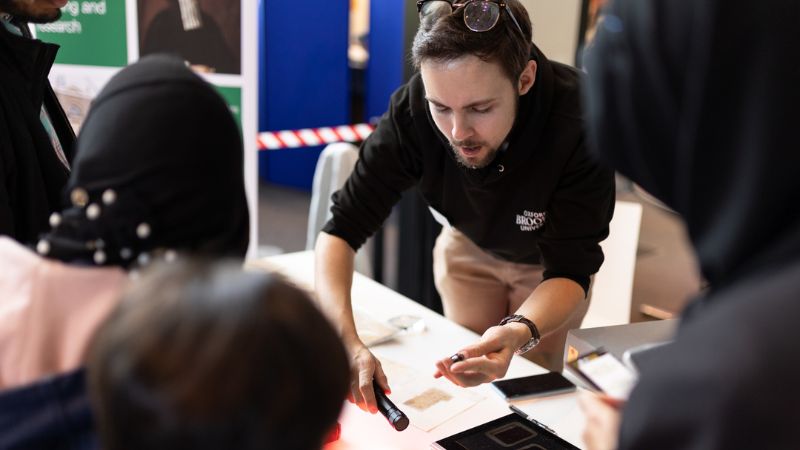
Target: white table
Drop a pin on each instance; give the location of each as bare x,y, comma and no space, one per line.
361,430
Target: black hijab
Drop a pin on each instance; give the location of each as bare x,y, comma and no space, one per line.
697,101
159,166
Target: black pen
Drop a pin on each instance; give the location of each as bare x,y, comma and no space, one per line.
529,418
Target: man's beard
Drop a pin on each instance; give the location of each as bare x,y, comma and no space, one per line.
24,13
454,145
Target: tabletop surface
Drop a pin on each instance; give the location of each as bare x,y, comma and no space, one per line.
419,351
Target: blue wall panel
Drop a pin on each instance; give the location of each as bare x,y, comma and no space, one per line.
386,54
304,80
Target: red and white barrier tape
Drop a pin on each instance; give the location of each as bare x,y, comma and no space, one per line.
309,137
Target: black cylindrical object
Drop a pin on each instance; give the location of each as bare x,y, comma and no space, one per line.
392,413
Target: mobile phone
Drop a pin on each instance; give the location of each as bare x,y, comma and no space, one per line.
604,373
574,367
550,383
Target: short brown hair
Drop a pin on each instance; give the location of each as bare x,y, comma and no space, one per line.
446,38
202,356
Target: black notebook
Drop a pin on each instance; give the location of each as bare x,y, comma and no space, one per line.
511,432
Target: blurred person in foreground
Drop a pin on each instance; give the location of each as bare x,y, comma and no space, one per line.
696,101
158,174
201,356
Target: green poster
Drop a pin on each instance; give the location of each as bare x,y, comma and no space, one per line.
233,96
90,33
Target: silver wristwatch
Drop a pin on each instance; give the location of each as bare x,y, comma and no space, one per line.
535,337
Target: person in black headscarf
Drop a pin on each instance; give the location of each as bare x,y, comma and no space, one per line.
158,174
159,166
696,102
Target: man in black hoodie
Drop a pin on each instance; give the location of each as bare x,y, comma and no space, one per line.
491,134
36,139
697,102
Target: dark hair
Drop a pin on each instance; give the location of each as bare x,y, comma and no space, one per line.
444,37
202,356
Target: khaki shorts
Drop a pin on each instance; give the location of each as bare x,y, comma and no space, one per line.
479,289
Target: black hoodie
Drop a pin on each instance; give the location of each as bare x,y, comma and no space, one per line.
697,102
542,200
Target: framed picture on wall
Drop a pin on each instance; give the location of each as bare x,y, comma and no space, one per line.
206,33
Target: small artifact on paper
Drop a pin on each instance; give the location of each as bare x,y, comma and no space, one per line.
430,402
428,398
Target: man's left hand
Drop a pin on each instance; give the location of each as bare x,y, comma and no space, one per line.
482,362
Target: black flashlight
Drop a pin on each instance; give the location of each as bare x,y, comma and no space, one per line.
392,413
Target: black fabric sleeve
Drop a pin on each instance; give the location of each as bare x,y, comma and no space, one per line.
578,219
388,164
6,213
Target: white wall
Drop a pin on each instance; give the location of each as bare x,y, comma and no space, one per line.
555,27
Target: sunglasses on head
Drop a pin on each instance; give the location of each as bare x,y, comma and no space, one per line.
479,15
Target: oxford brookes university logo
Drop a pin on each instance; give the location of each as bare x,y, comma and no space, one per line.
530,221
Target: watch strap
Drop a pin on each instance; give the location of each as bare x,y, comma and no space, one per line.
535,336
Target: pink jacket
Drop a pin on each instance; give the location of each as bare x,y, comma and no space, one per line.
48,312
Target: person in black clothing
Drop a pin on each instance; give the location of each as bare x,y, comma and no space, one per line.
697,102
36,139
491,134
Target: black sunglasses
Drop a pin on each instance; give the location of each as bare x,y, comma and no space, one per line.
479,15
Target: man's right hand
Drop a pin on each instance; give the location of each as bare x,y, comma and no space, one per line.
333,281
365,366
